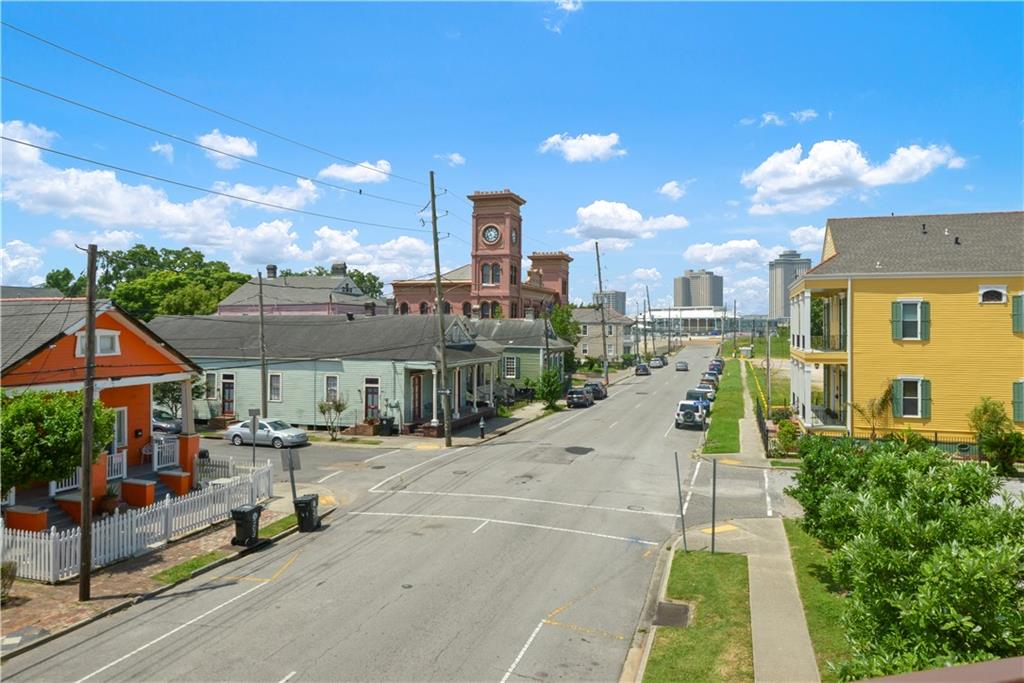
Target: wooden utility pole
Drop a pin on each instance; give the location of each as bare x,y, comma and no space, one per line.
600,305
85,545
735,325
263,357
439,307
654,337
645,327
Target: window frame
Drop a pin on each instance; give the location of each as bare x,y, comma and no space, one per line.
916,381
100,333
505,367
916,303
1002,289
584,330
337,386
210,391
116,444
485,274
584,349
270,387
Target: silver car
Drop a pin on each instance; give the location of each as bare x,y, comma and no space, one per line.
276,433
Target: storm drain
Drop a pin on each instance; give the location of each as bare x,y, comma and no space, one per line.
672,614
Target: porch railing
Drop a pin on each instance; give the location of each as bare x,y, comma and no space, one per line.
72,482
829,342
165,452
117,465
822,416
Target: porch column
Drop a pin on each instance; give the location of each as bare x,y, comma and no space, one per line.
490,382
188,440
805,320
433,403
457,391
805,386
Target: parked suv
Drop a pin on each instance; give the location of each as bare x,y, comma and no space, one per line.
579,398
642,369
710,378
689,414
657,362
701,398
597,390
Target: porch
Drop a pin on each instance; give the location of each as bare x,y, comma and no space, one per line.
824,408
472,389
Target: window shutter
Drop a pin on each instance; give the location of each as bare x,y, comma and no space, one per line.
897,320
926,399
897,398
926,320
1018,313
517,366
1018,401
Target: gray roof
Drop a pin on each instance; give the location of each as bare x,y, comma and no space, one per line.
25,325
592,315
500,334
299,289
384,337
989,243
13,292
459,274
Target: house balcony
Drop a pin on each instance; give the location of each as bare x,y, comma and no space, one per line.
828,343
826,418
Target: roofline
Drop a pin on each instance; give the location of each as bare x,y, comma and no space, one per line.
927,215
922,274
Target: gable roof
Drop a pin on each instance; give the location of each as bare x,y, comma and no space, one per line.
989,243
460,274
14,292
591,315
299,289
506,333
309,337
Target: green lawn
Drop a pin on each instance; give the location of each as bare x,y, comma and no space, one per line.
780,384
780,345
822,606
184,569
726,411
278,526
717,644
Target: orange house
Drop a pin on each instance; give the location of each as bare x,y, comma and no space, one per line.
42,346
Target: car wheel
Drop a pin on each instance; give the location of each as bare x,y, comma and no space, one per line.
277,443
679,425
236,439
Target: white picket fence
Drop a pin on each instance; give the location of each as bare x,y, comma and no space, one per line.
71,482
52,556
117,465
165,452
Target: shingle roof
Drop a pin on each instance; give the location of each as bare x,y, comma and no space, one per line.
386,337
27,324
460,274
502,333
299,289
13,292
589,315
989,243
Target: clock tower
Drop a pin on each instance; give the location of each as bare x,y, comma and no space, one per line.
497,253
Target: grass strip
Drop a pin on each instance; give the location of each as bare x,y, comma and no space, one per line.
726,411
183,570
278,526
823,604
717,645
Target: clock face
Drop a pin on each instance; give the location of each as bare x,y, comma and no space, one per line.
491,234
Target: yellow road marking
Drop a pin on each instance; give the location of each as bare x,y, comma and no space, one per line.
647,553
261,579
570,603
729,461
585,629
243,578
328,500
427,447
719,528
285,566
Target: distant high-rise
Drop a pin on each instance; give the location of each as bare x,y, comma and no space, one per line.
681,292
612,299
783,272
705,288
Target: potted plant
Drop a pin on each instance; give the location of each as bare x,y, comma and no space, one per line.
108,503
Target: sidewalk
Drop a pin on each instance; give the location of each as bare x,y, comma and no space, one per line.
751,447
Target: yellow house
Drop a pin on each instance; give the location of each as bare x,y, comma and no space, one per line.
926,311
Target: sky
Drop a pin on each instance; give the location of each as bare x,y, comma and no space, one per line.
676,135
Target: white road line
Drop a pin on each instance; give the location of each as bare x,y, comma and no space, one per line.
332,474
507,523
481,526
410,469
170,633
286,678
767,497
670,428
381,455
689,493
522,652
555,426
613,424
493,496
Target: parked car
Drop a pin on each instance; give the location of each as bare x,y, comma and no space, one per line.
657,362
597,390
579,398
276,433
164,421
690,414
709,390
701,398
682,365
664,360
642,369
711,378
717,367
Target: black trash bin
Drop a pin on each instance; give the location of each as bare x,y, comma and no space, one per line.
247,524
306,511
387,426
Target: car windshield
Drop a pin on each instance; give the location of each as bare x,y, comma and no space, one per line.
162,415
278,425
576,392
694,394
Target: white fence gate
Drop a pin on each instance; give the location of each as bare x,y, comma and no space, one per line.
117,465
165,452
52,556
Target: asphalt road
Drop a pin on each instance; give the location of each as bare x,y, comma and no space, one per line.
317,460
527,557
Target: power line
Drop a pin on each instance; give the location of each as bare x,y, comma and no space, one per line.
202,106
161,179
186,141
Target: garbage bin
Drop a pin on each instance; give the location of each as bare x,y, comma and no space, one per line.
306,511
247,524
387,426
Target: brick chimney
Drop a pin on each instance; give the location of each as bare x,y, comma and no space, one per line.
271,271
339,269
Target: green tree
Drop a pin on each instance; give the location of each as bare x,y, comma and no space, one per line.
563,324
817,316
988,418
167,292
64,280
319,271
549,387
370,284
876,411
332,410
169,394
42,436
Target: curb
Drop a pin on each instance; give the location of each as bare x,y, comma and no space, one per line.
647,619
121,606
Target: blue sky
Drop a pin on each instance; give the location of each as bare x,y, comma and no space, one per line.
677,135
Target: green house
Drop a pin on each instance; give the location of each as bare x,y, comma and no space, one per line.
525,347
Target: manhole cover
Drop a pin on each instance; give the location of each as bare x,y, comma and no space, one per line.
376,467
459,472
407,585
635,508
672,614
578,450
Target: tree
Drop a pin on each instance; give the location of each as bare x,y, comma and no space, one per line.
42,436
549,388
64,280
563,324
169,394
817,316
166,291
875,411
332,411
988,418
370,284
319,271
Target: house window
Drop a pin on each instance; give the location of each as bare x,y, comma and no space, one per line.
108,343
330,387
608,329
583,330
910,319
495,274
610,350
911,398
510,366
584,349
424,309
274,387
211,385
467,309
1018,401
992,294
447,308
120,429
485,274
485,310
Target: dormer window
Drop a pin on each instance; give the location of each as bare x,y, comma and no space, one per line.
992,294
108,343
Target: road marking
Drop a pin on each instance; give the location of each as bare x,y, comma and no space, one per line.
689,493
613,424
522,652
482,525
332,474
719,528
427,447
670,428
397,450
493,496
171,632
559,424
729,461
286,678
570,602
767,496
586,629
410,469
507,523
285,566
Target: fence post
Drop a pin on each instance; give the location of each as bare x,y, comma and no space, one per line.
54,570
167,518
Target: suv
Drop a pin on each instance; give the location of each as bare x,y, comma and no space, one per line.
597,390
709,391
690,414
642,369
682,365
578,398
709,378
657,362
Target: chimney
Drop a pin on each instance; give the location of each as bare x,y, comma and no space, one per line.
528,313
391,305
271,271
339,269
369,308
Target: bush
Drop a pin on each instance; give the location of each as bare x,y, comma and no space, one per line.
8,573
1002,450
787,437
988,418
779,415
909,439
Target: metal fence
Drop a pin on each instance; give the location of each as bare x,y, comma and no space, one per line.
762,427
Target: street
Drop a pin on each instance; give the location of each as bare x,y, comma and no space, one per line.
527,557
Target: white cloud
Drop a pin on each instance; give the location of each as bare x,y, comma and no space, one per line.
166,150
402,257
20,263
789,182
585,147
648,274
603,220
807,238
272,239
607,244
675,190
304,192
453,158
366,172
750,294
104,239
569,5
741,254
770,118
804,115
237,145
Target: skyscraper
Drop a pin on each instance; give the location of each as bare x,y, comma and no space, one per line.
783,272
613,299
705,288
681,292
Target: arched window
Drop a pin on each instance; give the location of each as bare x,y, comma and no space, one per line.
993,296
495,309
495,274
447,308
485,275
485,310
467,309
424,309
403,309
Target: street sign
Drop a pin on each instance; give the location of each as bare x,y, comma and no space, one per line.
296,460
254,412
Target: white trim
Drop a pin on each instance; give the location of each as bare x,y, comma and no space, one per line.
909,276
206,385
999,288
117,444
903,320
903,396
337,385
100,333
101,383
280,387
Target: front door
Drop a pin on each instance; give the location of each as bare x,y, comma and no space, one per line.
417,397
227,394
371,400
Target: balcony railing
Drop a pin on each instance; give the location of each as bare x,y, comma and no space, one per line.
824,417
832,342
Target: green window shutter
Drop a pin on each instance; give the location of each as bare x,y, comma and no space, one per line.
926,398
926,320
1018,401
897,398
517,367
1018,313
897,320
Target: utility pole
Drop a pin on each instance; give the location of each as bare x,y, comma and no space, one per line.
768,370
439,307
547,317
263,357
85,545
734,326
654,337
604,324
645,327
